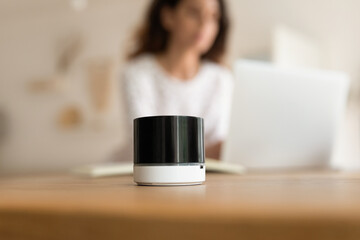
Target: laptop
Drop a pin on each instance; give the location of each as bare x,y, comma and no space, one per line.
284,118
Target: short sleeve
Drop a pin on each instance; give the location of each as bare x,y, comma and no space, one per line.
138,94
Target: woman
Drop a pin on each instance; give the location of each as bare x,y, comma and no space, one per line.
175,68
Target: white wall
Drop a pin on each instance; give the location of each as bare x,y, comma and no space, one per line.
30,33
31,30
334,24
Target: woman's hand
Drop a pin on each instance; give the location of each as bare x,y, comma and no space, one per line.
213,151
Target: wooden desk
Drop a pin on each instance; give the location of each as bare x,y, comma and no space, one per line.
318,205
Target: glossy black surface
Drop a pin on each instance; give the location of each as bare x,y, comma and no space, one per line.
168,140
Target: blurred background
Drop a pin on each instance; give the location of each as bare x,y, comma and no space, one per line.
60,62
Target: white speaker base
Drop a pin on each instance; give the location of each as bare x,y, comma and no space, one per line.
173,175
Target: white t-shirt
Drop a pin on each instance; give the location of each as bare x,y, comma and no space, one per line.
149,90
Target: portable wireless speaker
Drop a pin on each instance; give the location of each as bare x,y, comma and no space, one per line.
169,150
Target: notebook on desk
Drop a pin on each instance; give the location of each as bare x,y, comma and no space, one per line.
117,169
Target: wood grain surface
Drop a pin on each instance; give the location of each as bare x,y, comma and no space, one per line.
298,205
